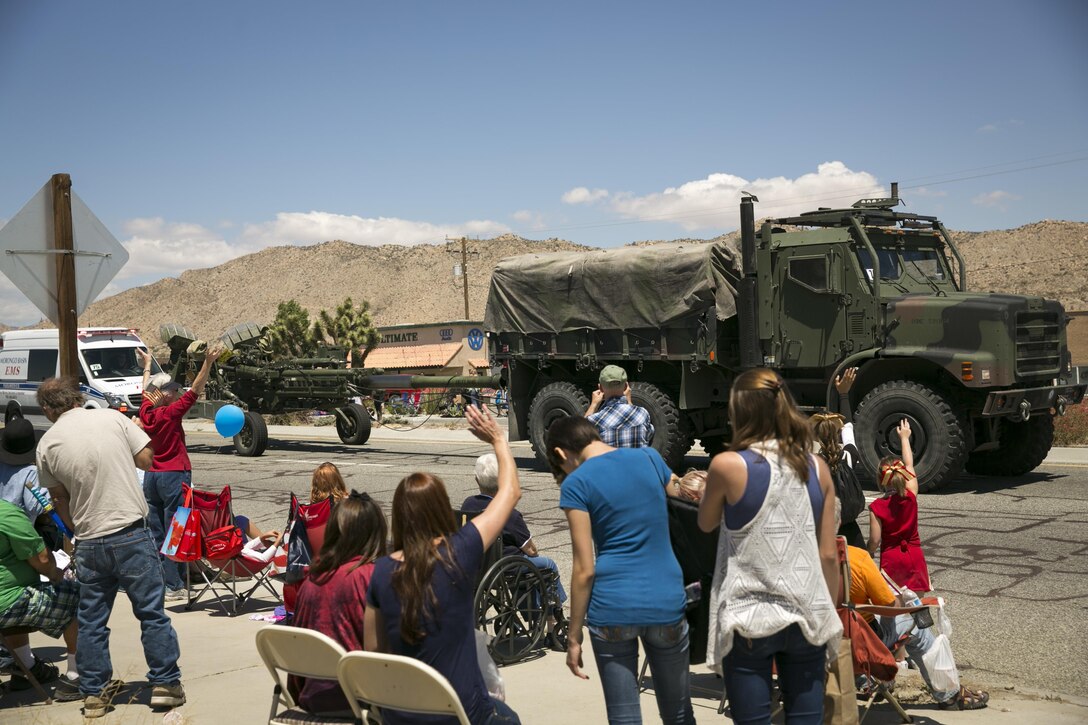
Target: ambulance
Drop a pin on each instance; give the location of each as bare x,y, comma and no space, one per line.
110,373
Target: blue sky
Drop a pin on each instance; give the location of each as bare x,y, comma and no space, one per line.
200,131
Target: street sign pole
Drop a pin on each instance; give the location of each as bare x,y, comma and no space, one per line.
65,273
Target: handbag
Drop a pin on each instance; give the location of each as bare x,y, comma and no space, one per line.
905,597
848,487
224,543
299,552
183,537
870,655
840,694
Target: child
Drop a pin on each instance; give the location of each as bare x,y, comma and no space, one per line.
893,520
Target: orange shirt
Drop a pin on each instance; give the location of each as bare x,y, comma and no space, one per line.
866,584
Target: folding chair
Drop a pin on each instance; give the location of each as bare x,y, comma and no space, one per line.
314,518
300,652
222,577
19,666
881,688
397,683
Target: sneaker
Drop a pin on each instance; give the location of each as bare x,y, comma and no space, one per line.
98,705
67,690
43,672
167,696
176,595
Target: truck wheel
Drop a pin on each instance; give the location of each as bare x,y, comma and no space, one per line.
357,430
937,435
176,336
671,438
552,402
253,438
1023,446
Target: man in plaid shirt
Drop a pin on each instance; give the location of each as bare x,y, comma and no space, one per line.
620,423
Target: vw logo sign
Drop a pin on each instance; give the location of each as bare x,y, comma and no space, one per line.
475,339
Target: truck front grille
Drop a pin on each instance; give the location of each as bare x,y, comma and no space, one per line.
1038,343
135,399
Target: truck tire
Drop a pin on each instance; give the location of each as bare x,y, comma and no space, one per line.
253,438
937,432
242,333
1023,446
176,336
553,401
357,431
671,438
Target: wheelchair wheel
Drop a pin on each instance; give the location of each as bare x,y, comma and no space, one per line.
559,633
510,606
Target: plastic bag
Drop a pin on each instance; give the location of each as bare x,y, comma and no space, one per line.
943,675
492,679
944,624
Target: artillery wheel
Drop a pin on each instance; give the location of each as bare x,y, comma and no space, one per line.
241,334
509,606
671,437
357,431
938,439
1023,446
552,402
253,438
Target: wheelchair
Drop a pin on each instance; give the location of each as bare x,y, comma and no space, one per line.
512,603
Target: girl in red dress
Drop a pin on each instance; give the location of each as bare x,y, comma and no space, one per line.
893,520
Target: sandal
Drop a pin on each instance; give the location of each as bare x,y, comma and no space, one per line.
966,700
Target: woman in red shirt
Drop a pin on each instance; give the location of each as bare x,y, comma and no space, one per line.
893,520
332,598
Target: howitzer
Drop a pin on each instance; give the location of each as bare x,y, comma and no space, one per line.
250,377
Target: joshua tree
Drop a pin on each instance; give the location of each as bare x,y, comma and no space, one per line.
291,335
349,327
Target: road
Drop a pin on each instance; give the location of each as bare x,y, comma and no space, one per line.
1010,555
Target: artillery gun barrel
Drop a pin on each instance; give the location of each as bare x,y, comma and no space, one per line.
393,382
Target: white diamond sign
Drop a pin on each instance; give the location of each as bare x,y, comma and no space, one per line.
25,258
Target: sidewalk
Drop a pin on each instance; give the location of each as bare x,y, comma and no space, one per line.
226,681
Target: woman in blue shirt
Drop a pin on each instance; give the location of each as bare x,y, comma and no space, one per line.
614,499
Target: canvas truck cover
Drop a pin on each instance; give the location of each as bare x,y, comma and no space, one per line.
634,287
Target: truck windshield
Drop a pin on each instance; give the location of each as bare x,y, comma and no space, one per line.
923,262
116,362
889,263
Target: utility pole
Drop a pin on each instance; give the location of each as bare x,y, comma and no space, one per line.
464,268
65,271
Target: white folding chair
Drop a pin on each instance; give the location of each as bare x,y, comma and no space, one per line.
301,652
397,683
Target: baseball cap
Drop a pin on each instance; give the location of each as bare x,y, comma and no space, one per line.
613,374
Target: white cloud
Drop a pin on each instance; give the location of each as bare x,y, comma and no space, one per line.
166,249
530,219
582,195
15,308
994,199
318,226
1000,125
713,202
924,191
988,128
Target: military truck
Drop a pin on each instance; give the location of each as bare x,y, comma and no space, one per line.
257,381
979,376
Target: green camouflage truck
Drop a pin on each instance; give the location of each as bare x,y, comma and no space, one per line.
980,376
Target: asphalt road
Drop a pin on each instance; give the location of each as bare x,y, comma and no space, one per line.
1010,555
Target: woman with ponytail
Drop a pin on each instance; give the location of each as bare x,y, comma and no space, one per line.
835,434
420,600
893,519
775,503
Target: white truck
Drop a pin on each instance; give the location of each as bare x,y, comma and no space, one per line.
110,374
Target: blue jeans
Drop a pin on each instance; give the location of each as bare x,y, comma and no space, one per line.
543,562
801,668
130,559
616,651
162,489
920,642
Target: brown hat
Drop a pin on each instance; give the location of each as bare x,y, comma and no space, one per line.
18,441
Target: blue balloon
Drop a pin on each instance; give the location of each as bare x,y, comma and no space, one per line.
229,421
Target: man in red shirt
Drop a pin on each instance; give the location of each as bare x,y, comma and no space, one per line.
161,414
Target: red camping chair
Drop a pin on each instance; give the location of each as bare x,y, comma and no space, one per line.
313,518
226,572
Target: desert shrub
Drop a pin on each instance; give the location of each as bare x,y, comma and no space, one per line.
1071,429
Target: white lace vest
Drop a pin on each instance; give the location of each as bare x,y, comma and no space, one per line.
768,573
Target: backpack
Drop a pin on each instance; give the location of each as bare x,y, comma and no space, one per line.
847,485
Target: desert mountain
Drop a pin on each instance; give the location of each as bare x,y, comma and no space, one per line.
417,284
